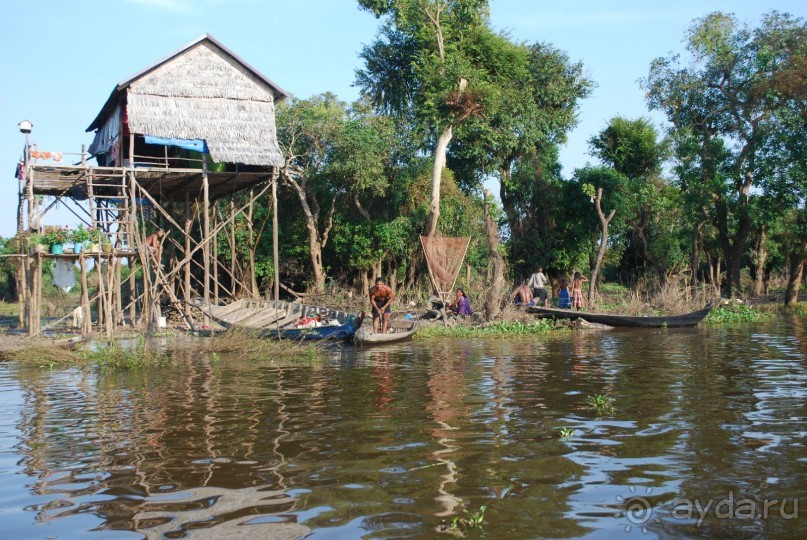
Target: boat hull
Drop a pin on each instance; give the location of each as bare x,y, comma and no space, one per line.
278,320
401,330
674,321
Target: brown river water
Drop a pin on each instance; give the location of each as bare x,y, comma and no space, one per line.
707,440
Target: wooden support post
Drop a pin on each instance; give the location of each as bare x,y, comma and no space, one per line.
253,285
38,295
232,242
118,292
187,280
132,290
86,315
215,260
109,316
101,295
136,246
206,240
275,256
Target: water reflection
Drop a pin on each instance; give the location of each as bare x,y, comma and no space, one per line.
390,441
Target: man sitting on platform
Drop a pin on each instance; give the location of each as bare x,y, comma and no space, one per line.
155,243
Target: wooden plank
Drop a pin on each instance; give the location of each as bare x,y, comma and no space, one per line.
264,318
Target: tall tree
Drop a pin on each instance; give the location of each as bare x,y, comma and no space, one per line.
421,66
633,149
309,131
725,93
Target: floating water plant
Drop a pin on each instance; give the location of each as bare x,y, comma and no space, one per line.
468,520
601,404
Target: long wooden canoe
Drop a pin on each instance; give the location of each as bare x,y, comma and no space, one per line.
399,330
280,319
672,321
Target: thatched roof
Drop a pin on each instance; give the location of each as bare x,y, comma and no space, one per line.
204,91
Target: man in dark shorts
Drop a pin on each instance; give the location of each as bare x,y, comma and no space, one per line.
380,302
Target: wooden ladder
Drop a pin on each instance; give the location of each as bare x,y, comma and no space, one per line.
109,206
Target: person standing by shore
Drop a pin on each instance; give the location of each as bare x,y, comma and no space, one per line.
380,301
537,283
577,290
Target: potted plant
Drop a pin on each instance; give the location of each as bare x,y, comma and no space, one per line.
78,236
96,237
36,243
55,237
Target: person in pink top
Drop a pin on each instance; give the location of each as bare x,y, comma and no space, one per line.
577,290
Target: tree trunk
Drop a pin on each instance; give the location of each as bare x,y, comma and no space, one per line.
796,260
493,298
697,233
761,259
365,283
604,221
437,176
733,245
316,259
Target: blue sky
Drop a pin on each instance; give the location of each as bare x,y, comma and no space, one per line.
61,58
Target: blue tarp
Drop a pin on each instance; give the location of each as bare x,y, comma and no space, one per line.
198,145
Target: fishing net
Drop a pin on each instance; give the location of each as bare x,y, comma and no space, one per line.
444,257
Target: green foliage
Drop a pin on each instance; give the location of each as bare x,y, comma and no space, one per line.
117,356
79,235
630,147
566,433
498,329
468,520
727,105
601,404
55,235
734,313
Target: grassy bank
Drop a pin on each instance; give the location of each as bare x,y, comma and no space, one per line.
495,329
734,313
140,353
254,347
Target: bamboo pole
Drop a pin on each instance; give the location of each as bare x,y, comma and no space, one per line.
206,241
86,315
38,275
232,241
215,260
101,289
188,226
275,255
132,291
109,319
218,228
253,285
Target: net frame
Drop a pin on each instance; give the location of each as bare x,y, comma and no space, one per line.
444,294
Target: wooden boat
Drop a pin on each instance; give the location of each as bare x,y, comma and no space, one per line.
673,321
280,319
398,331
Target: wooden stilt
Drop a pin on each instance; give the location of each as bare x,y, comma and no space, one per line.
206,239
132,292
86,315
188,226
215,260
101,288
275,256
253,284
232,241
